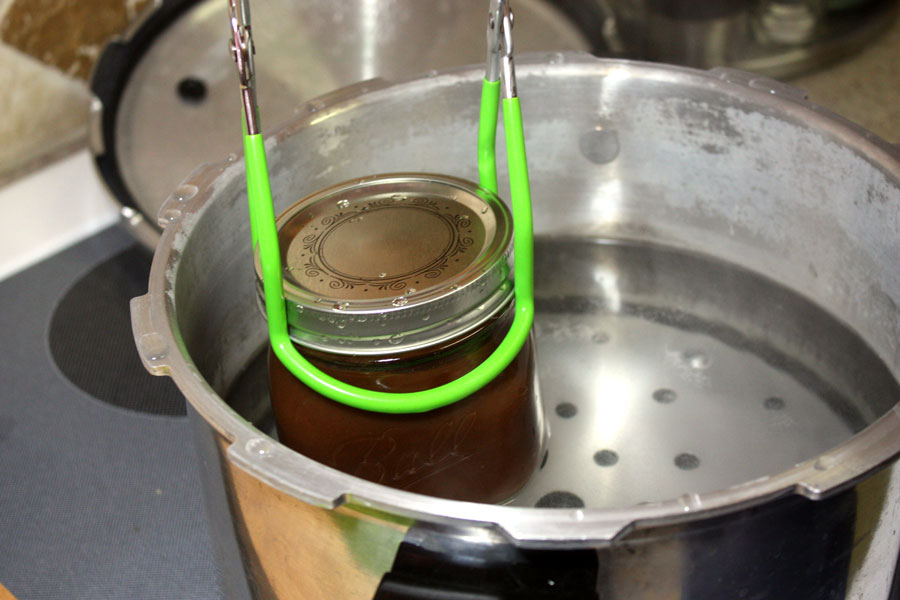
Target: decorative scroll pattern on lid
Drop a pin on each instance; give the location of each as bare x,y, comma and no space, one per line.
384,246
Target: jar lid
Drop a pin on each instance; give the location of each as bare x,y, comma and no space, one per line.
389,263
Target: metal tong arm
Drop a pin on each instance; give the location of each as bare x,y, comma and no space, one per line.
499,64
499,67
242,50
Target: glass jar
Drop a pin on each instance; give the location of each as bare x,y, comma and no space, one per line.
401,283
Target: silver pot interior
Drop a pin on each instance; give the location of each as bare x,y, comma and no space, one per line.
716,275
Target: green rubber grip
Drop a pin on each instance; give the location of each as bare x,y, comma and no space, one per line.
265,234
487,133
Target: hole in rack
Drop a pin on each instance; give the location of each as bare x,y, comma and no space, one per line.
687,461
606,458
566,410
774,403
559,499
665,396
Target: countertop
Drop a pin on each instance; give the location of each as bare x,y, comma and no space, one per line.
865,87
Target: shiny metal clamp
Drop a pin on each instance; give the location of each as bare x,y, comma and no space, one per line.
242,50
500,47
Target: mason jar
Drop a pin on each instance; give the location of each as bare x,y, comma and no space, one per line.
401,283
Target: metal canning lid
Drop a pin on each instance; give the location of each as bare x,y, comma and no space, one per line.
391,263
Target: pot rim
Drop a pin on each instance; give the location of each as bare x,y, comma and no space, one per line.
159,343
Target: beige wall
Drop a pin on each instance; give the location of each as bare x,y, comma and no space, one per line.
47,51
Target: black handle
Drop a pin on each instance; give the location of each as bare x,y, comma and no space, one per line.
108,80
434,566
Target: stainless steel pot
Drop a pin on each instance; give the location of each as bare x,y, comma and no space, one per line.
718,333
780,38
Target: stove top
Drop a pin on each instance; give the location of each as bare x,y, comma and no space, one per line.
99,493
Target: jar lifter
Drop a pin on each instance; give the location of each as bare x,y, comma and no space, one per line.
499,72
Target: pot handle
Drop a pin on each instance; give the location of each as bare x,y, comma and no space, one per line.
850,461
152,347
440,567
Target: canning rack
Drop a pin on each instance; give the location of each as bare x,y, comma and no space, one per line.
499,81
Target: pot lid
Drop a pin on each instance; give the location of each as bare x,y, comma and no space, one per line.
164,99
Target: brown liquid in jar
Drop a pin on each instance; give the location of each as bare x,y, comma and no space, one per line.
483,448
